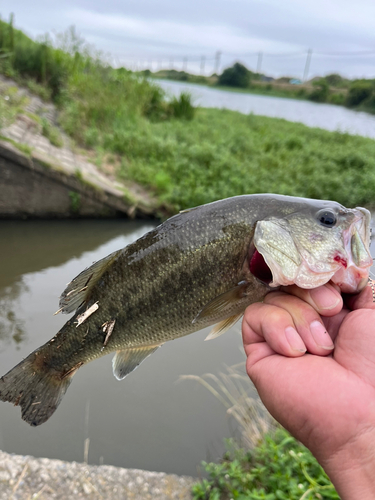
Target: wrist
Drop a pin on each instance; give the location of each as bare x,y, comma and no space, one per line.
352,468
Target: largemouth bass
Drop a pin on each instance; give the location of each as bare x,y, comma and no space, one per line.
201,267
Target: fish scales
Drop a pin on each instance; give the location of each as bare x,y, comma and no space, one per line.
185,274
199,268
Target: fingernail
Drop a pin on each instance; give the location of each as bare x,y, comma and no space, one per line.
324,298
320,335
295,341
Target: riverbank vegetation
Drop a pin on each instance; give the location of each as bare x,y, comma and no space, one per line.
186,156
356,94
68,71
278,468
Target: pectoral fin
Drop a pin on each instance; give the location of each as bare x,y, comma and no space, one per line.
225,304
124,362
78,290
223,326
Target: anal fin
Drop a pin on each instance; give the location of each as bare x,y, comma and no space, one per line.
223,326
124,362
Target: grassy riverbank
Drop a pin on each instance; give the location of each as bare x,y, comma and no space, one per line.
185,158
223,153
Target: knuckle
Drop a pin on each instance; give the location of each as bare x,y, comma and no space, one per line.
276,315
276,298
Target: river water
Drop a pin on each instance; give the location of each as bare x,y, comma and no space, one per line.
326,116
149,420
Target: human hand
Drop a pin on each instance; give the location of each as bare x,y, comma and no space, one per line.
325,397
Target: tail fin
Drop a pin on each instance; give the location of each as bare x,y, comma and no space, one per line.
38,392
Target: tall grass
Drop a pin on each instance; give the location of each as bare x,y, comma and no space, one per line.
233,389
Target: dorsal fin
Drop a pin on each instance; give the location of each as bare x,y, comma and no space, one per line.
223,326
124,362
186,210
78,290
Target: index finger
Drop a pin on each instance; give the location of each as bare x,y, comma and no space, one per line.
325,299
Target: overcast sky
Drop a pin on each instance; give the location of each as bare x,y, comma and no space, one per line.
341,33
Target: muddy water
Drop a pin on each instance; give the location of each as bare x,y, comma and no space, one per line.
149,420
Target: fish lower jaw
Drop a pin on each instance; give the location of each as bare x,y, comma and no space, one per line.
302,276
351,280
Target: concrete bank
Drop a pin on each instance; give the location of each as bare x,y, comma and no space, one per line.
41,180
26,478
31,187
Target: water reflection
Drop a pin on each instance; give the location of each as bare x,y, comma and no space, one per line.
12,327
29,246
32,246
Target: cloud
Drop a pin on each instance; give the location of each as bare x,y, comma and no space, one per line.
239,28
163,33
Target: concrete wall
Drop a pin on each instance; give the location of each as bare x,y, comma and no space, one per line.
30,188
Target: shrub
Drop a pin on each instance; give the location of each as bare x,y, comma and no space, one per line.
334,80
236,76
320,92
182,107
155,106
337,98
278,468
359,91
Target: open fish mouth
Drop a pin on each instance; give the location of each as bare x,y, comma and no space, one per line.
353,273
259,268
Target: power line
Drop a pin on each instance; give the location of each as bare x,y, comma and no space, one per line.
259,54
347,54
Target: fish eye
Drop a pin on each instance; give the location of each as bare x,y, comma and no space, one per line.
326,218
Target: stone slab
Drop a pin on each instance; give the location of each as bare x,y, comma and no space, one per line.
25,477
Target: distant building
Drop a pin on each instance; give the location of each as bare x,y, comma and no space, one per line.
264,78
295,81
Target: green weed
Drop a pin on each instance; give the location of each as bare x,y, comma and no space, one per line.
52,133
27,150
24,148
11,103
278,468
75,202
182,106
